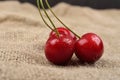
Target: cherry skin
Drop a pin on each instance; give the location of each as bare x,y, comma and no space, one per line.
63,32
89,48
59,50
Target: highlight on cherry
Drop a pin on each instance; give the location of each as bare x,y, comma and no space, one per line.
64,42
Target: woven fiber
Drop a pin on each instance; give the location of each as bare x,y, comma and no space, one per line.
23,35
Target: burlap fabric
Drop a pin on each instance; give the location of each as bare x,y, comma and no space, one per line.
23,35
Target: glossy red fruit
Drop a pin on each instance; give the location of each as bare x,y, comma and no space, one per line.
64,32
89,48
59,50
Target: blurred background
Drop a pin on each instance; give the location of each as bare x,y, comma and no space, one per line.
97,4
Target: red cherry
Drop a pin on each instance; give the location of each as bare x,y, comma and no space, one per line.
59,50
89,48
64,32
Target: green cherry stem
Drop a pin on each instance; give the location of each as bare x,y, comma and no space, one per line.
38,4
41,2
59,19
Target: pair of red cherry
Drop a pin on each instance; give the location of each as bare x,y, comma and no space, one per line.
59,49
62,42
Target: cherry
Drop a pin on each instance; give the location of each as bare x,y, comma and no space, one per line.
59,50
62,42
64,32
89,48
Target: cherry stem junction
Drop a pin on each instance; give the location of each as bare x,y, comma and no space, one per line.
42,15
40,2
